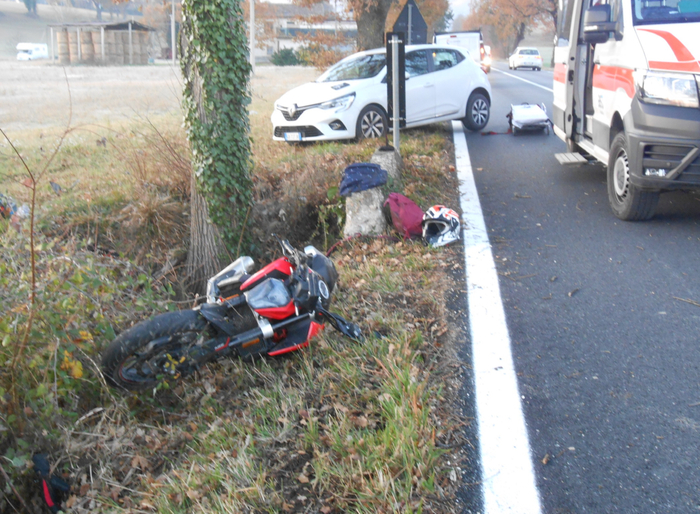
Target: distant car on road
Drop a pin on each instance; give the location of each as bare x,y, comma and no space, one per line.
31,51
349,100
525,58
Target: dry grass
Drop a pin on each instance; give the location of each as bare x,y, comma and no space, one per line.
341,427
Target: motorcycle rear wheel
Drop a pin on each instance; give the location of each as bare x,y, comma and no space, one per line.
153,350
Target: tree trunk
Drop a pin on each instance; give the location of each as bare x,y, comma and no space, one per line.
370,25
206,245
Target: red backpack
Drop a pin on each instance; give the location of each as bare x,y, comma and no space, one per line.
405,215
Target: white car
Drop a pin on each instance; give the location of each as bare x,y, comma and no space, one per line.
31,51
525,58
350,99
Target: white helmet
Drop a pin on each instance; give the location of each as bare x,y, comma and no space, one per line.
440,226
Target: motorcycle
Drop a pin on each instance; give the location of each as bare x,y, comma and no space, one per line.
276,310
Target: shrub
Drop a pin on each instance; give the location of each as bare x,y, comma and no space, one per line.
285,57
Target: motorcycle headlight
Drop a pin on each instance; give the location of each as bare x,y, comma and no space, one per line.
669,89
339,104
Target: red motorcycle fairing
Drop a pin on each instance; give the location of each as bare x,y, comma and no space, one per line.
280,268
298,337
277,312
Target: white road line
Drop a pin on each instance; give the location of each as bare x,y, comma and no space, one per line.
508,478
524,80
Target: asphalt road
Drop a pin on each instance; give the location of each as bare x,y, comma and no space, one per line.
603,316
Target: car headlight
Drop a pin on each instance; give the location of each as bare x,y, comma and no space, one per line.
668,89
339,104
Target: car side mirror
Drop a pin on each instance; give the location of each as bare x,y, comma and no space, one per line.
597,25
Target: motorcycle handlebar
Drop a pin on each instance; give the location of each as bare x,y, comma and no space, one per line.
298,258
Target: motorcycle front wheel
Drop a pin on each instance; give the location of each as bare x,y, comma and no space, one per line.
153,350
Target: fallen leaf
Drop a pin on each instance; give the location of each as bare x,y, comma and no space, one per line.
145,504
326,509
193,494
546,458
84,489
303,479
360,421
71,501
341,408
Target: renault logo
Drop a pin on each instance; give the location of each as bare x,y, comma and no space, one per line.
293,110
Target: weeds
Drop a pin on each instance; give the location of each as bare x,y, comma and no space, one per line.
340,427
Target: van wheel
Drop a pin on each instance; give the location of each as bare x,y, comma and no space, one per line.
478,111
628,202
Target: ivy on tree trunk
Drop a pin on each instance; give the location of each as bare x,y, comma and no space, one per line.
216,72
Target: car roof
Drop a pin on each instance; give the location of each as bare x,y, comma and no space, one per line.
526,48
408,48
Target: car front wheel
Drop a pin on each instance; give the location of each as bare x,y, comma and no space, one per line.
372,122
478,111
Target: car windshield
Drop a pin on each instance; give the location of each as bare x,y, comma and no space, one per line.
529,52
356,68
649,12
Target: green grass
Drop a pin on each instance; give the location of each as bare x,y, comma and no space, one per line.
339,427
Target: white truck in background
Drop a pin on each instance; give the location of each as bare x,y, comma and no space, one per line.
470,40
31,51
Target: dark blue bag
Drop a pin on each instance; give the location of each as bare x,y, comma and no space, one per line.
362,176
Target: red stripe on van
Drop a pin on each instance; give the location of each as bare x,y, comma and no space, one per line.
560,72
612,78
686,60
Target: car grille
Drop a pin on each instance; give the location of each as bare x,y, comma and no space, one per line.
668,157
293,116
289,117
306,131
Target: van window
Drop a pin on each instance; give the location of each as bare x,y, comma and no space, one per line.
649,12
564,16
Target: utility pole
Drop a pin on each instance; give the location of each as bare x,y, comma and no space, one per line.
395,92
252,36
173,49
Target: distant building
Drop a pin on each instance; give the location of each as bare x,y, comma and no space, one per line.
285,21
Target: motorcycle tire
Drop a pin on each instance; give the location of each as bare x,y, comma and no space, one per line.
153,350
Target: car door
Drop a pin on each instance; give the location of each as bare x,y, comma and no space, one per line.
453,82
420,88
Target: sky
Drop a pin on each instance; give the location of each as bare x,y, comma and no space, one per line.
460,7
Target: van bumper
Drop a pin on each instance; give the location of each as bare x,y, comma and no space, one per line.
667,139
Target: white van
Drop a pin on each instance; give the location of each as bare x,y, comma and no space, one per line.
626,80
31,51
469,39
